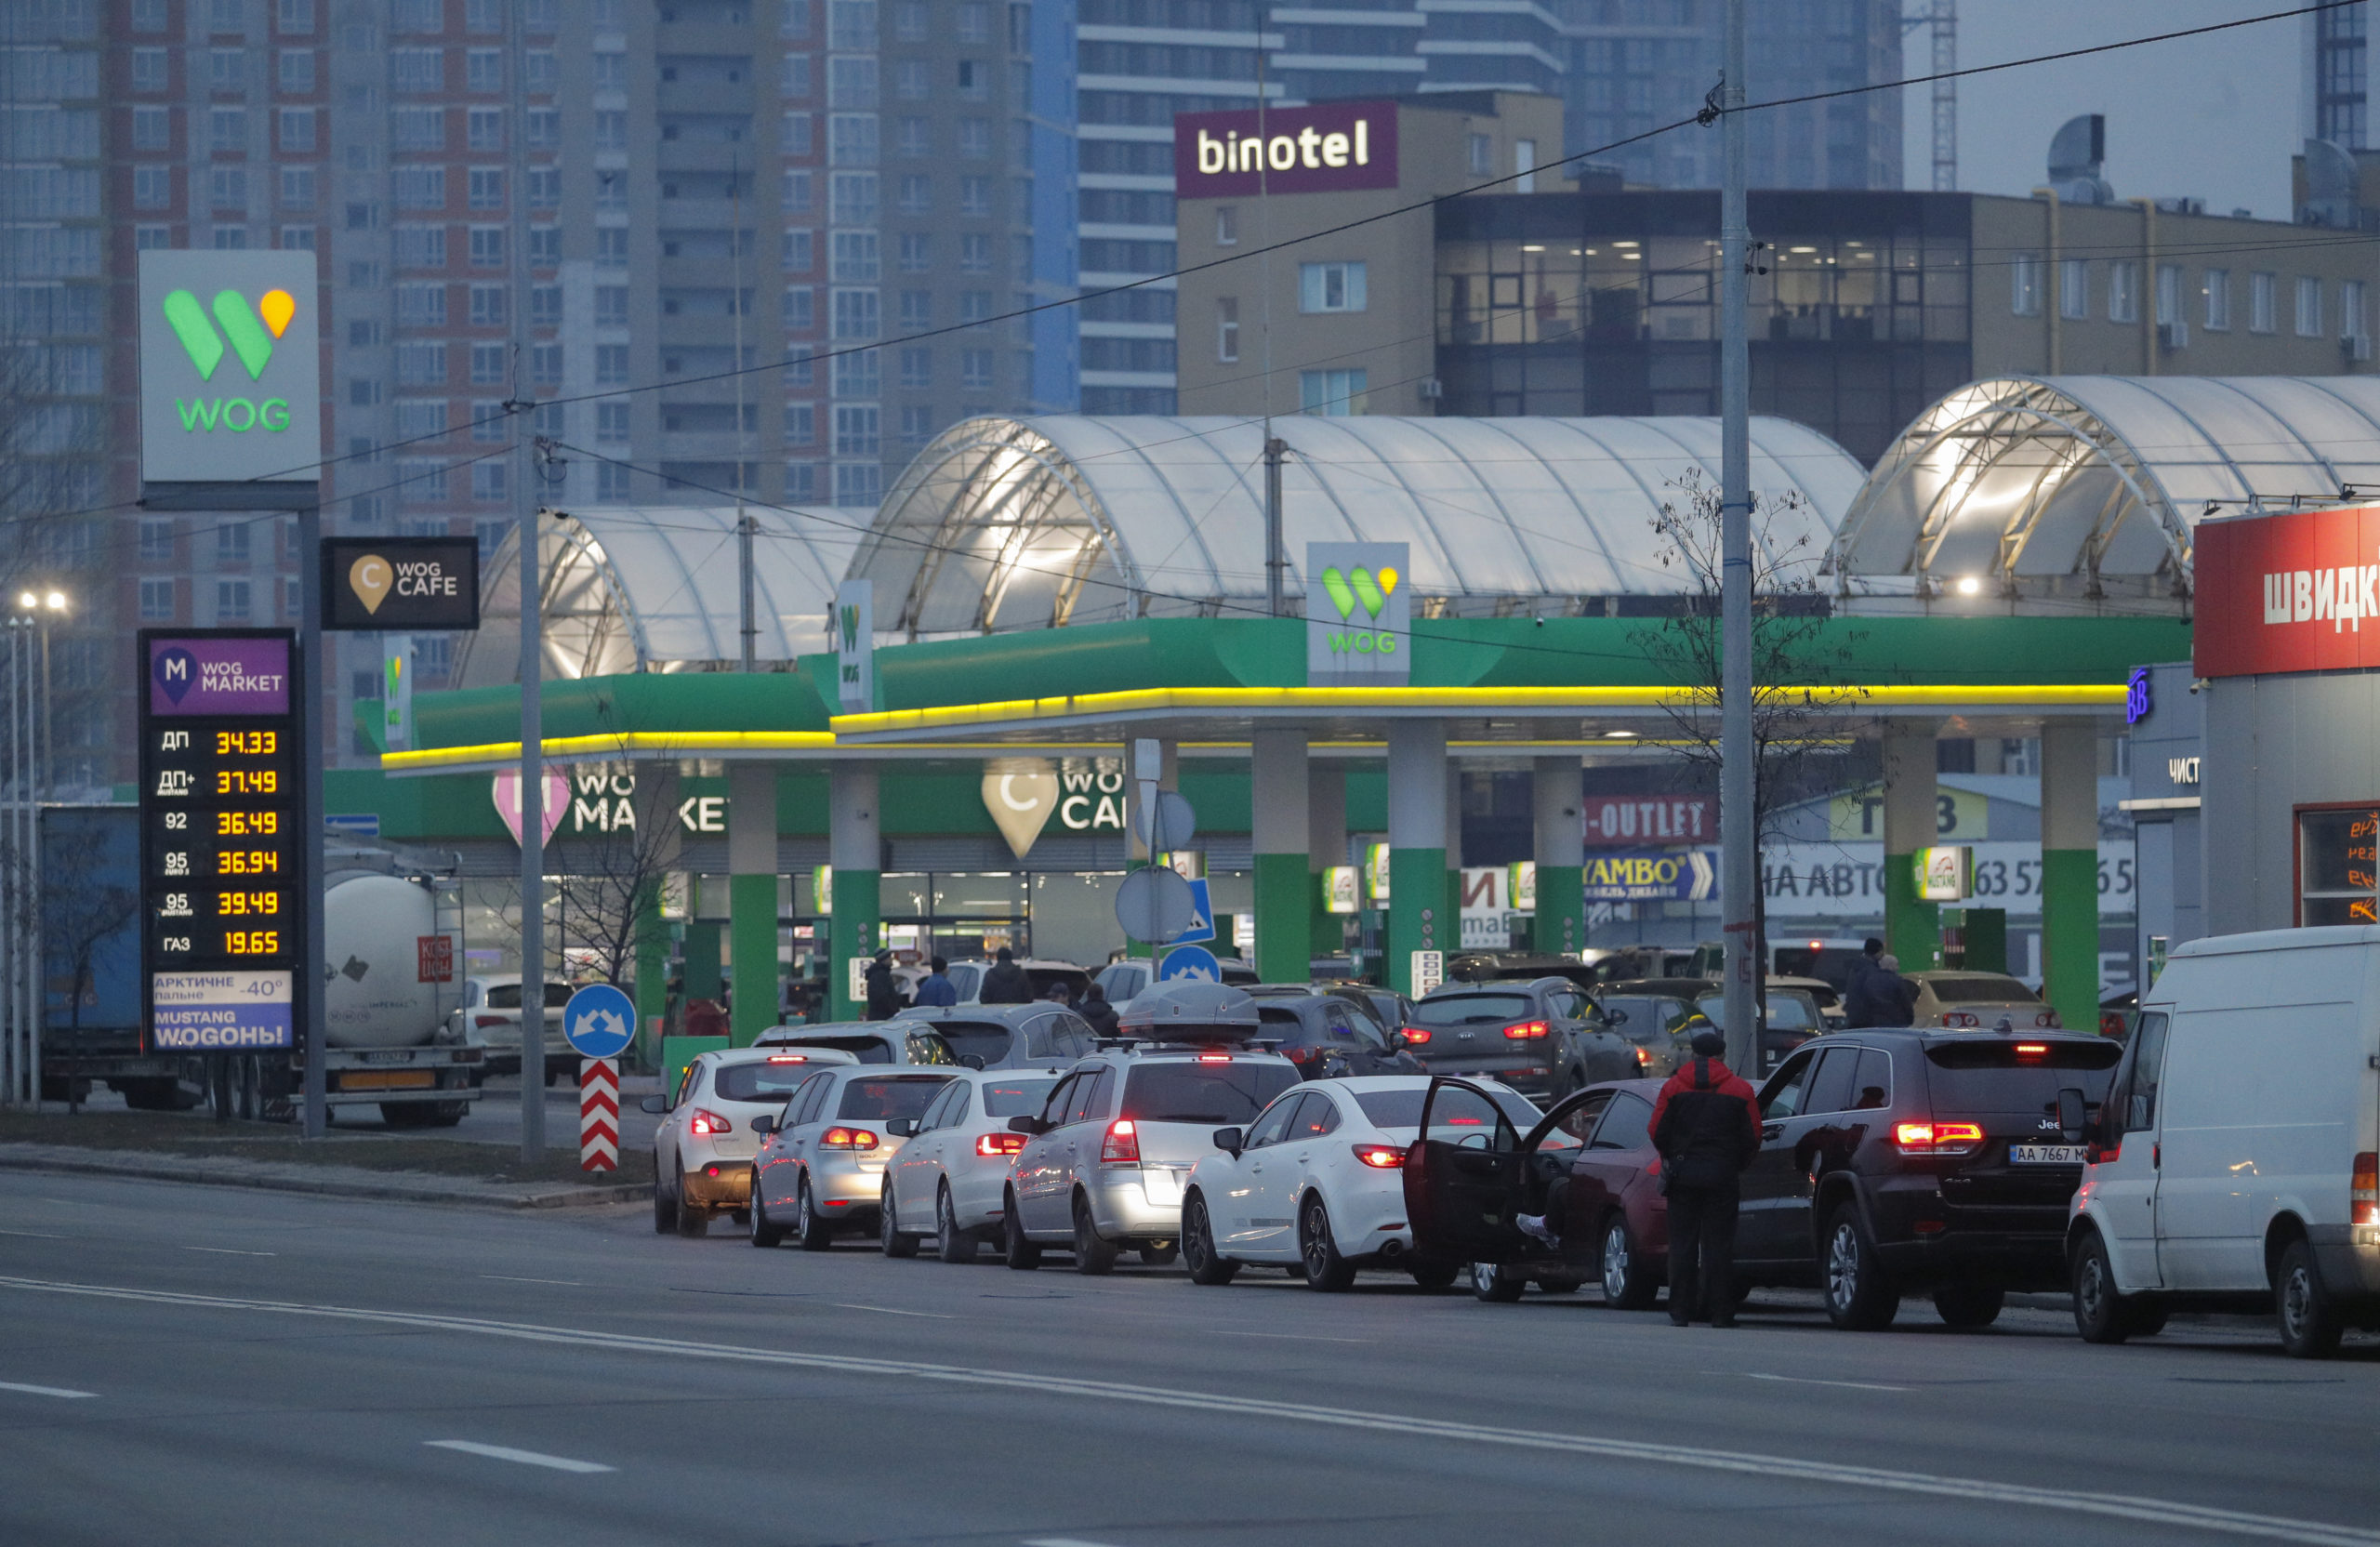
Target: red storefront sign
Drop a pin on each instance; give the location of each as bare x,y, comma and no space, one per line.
2296,591
1639,820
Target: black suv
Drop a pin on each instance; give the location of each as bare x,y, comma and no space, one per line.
1329,1033
1544,1038
1891,1161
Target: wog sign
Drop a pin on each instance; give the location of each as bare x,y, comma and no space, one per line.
1358,615
2296,591
231,367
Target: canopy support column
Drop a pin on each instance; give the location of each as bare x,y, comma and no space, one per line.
660,835
1418,919
2071,871
1279,799
1326,831
1556,786
854,848
752,898
1912,928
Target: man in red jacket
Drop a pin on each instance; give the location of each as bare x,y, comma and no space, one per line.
1707,1127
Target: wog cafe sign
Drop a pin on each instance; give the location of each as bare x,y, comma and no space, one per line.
231,367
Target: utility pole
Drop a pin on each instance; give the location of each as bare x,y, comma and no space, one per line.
1946,96
1276,561
1739,846
750,629
523,415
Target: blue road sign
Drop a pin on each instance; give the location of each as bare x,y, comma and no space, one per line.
1202,919
1191,961
599,1020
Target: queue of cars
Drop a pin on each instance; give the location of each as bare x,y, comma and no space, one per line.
1956,1163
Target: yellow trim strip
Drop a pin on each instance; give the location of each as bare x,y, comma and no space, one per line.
1146,700
572,748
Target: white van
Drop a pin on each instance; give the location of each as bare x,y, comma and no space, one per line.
2232,1166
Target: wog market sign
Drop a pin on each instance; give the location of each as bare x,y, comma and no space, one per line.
231,367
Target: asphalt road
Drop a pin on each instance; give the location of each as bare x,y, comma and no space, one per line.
495,1118
190,1364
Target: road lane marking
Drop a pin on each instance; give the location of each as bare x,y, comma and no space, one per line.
509,1278
231,1251
1806,1381
1060,1542
889,1311
44,1391
33,1235
1293,1337
526,1458
1788,1469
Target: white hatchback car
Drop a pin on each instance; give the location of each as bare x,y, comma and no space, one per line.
1318,1181
820,1170
704,1144
948,1180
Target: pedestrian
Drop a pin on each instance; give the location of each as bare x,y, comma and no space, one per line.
1006,983
1895,996
1707,1127
1060,994
883,994
705,1018
1863,998
1098,1011
937,988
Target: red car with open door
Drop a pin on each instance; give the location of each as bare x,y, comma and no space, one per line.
1587,1163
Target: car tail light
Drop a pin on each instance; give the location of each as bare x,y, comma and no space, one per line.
992,1146
1417,1036
1386,1158
2364,1192
1122,1145
1216,1058
1643,1058
705,1124
2048,1019
485,1021
1961,1018
1525,1031
847,1138
788,1058
2112,1024
1938,1138
2032,1049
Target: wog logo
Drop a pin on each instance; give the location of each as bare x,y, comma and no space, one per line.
251,328
1362,587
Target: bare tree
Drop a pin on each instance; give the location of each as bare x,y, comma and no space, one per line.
608,898
81,906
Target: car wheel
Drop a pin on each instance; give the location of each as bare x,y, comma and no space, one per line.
1858,1297
1093,1254
1022,1254
694,1223
2101,1314
950,1243
1160,1254
763,1233
2148,1317
815,1231
2310,1323
1628,1281
1969,1305
1207,1266
1434,1275
665,1200
1497,1283
889,1236
1326,1270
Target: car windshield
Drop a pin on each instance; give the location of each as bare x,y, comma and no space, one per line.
1457,1108
1650,1019
1786,1012
985,1039
1988,988
879,1097
1014,1098
2013,1075
762,1082
866,1047
507,995
1464,1009
1204,1092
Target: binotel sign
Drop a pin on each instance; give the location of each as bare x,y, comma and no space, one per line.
1358,615
200,421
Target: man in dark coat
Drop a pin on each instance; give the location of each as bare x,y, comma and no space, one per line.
1863,991
937,988
1707,1127
884,993
1006,983
1098,1011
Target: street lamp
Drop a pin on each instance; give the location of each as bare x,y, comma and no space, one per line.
30,745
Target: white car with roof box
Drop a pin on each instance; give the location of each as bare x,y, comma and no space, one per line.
950,1177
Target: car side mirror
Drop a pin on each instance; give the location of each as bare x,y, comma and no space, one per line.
900,1128
653,1103
2070,1115
1028,1125
1398,1041
971,1061
1228,1140
765,1123
1614,1017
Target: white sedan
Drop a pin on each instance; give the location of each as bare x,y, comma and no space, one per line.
1318,1181
948,1180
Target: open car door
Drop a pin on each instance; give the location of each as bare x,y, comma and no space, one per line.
1464,1178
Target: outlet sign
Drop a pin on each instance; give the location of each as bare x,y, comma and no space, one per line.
231,367
1358,615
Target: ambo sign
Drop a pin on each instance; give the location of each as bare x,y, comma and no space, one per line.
231,367
1358,615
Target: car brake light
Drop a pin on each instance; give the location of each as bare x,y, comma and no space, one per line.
1960,1018
1525,1031
485,1021
788,1058
1385,1157
1214,1058
1122,1145
706,1124
992,1146
1417,1036
2048,1019
2032,1049
1643,1058
1938,1138
847,1138
2364,1190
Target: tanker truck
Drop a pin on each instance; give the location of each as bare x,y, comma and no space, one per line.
391,942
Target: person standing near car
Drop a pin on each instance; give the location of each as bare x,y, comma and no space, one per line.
937,988
1098,1011
1006,983
883,994
1706,1126
1862,989
1895,997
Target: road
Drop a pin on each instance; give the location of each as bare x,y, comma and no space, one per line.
495,1118
200,1366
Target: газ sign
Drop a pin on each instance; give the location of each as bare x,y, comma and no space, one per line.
231,367
2296,591
1328,148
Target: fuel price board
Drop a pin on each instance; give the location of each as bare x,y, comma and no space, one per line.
224,872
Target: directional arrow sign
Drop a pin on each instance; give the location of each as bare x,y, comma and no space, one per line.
599,1022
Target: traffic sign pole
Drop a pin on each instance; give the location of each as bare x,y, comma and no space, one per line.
599,1114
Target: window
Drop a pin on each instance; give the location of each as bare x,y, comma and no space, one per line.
974,195
2351,308
2137,1111
545,303
795,252
487,246
297,71
2218,300
421,306
916,369
296,16
857,430
542,70
419,418
298,130
974,253
1332,393
857,316
2264,304
2123,291
157,542
796,193
1330,287
610,364
915,194
146,237
485,128
611,481
228,187
156,600
2074,289
1227,225
801,308
149,69
612,423
975,306
974,138
417,68
611,306
421,247
855,256
233,601
2169,294
801,424
2025,286
2309,307
296,239
487,479
487,420
859,484
1525,165
1227,329
487,187
147,16
909,138
419,187
1482,150
298,188
855,376
417,129
850,139
227,130
975,368
487,306
153,129
851,199
227,70
916,310
152,187
231,238
484,70
421,364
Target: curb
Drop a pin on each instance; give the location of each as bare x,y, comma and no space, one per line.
388,1191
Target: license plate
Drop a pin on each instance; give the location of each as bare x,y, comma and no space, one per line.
387,1079
2046,1155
